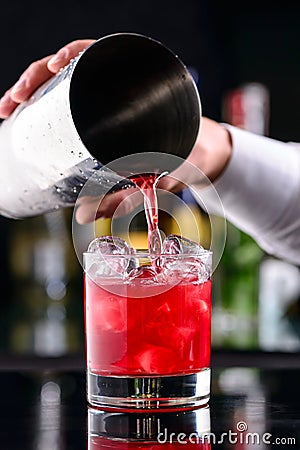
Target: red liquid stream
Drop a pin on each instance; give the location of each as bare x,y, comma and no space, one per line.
147,185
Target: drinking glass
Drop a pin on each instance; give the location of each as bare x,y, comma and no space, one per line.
148,324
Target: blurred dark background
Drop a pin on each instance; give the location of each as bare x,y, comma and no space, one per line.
227,44
223,43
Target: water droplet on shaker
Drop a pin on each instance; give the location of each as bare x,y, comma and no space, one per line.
96,164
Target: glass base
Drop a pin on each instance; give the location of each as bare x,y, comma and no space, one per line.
163,392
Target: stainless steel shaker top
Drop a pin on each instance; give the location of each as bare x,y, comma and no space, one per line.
125,94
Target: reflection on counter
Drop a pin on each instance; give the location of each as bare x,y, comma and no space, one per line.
49,412
248,407
140,430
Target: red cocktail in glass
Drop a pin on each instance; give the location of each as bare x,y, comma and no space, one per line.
148,331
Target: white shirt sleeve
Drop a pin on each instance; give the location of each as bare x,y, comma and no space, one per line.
260,192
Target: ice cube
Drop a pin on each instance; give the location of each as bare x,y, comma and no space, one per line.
187,270
193,266
106,262
111,317
175,244
147,273
176,338
109,245
157,360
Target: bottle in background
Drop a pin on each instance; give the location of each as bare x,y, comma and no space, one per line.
46,317
236,282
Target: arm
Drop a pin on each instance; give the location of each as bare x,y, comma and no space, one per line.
260,192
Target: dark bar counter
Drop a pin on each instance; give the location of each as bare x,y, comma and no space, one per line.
43,407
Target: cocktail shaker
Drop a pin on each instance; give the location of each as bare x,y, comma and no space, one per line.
125,94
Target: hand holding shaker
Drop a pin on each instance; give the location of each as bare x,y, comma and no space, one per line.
124,94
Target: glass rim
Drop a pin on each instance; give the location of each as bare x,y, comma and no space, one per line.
147,254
